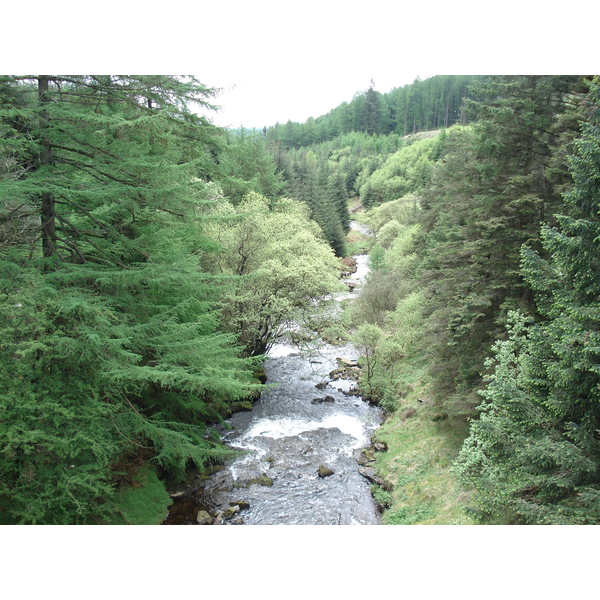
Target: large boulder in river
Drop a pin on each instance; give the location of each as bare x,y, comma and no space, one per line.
203,518
263,479
366,456
324,472
347,369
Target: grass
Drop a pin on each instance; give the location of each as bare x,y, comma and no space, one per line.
357,243
421,447
418,463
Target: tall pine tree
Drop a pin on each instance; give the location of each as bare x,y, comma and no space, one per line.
112,351
534,455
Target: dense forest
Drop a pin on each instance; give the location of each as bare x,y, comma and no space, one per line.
149,260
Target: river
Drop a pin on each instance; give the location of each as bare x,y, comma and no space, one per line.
301,440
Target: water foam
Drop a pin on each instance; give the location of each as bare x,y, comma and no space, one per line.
286,427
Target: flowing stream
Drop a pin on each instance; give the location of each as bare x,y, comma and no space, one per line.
305,421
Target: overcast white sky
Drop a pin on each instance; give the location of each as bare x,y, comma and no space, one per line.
279,60
259,100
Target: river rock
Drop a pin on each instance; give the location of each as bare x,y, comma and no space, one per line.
346,362
322,385
347,369
366,456
324,472
179,493
261,375
328,399
228,513
260,480
345,373
380,446
351,392
242,505
370,474
203,518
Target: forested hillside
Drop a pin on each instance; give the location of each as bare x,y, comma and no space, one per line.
421,106
149,259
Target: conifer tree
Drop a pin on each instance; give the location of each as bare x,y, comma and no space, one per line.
338,195
534,455
245,165
109,322
309,184
488,197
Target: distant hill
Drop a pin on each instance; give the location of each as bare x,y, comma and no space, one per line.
423,105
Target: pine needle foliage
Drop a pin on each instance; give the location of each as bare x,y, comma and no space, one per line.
534,455
111,343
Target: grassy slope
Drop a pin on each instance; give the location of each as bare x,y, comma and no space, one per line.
421,449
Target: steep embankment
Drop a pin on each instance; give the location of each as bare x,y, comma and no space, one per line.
419,486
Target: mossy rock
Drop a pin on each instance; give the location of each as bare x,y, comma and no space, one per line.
204,518
326,399
325,472
230,512
260,480
261,375
208,471
145,503
366,456
241,406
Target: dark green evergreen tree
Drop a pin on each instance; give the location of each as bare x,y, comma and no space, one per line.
534,455
309,184
111,352
338,195
489,197
421,106
372,115
246,165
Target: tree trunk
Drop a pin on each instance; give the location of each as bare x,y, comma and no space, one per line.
447,111
48,210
